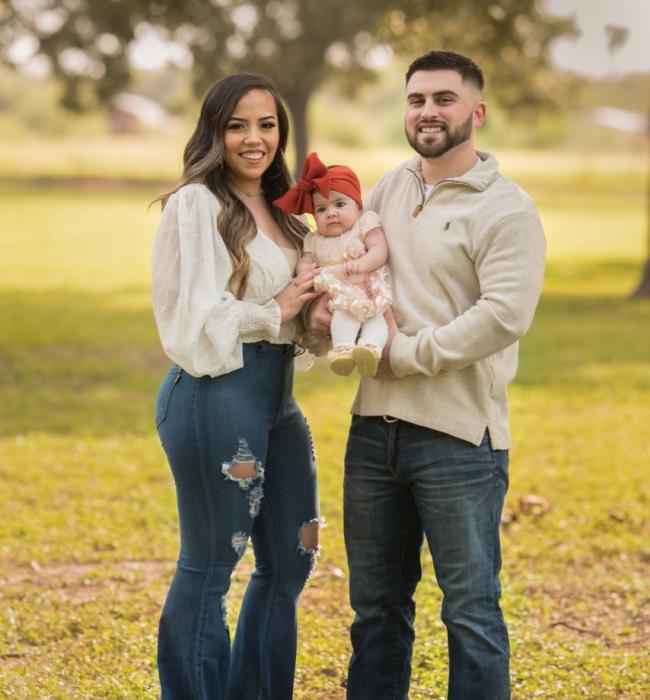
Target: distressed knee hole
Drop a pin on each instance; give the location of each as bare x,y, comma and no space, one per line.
239,541
243,468
309,536
309,541
224,614
255,501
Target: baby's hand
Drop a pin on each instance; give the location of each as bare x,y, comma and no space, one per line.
355,251
352,268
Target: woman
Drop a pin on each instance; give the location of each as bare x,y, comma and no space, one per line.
225,300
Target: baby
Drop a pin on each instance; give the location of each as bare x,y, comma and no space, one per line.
351,250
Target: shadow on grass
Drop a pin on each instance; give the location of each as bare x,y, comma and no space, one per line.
79,362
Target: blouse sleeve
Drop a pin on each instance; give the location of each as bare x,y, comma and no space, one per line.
200,322
368,221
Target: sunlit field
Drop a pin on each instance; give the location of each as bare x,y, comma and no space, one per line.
88,532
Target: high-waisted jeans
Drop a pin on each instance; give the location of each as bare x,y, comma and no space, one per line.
402,482
242,460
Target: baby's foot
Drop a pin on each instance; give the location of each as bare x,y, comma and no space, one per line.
366,358
340,359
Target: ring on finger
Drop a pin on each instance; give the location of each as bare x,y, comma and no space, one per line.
296,283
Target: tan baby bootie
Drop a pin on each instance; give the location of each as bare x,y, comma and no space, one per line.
340,359
366,358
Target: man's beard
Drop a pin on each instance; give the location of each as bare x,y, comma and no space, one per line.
449,140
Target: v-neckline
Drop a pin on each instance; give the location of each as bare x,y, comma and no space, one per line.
278,250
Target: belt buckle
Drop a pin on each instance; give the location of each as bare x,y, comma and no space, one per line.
389,419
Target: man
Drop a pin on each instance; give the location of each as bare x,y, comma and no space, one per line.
427,453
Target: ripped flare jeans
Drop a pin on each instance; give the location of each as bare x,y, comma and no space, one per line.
242,461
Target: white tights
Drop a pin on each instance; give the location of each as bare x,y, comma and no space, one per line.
345,328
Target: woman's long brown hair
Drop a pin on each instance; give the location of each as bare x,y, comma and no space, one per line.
204,162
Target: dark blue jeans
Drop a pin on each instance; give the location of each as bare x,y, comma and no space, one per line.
242,460
402,482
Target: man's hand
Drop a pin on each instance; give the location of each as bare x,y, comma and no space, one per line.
384,371
318,317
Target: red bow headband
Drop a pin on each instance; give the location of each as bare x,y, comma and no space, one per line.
317,177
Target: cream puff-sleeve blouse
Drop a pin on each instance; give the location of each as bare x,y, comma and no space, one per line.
202,325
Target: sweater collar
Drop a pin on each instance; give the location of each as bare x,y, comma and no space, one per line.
478,177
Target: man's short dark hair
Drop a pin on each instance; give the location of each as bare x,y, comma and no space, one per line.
448,60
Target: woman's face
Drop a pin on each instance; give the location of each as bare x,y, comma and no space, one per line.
251,138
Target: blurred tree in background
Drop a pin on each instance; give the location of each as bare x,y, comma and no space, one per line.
299,45
302,45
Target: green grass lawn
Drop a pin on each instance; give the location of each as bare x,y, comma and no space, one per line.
88,532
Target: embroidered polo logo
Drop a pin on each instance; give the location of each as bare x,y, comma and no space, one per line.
447,225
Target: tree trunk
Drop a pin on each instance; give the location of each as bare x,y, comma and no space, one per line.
298,101
643,289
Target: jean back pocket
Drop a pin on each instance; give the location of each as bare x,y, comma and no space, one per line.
165,392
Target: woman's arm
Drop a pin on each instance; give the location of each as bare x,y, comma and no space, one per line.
200,321
305,263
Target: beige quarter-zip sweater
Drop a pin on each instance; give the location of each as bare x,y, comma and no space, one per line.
467,273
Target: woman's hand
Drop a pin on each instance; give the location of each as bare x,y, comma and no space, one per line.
299,291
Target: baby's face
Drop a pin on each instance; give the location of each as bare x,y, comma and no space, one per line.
335,214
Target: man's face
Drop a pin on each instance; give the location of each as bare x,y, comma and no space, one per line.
442,111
